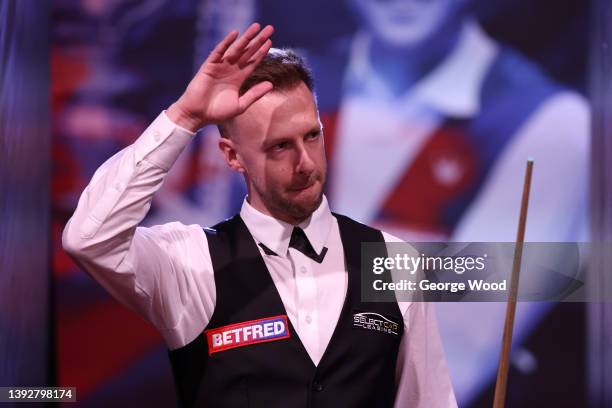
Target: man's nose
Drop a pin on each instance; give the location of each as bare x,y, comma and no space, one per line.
305,164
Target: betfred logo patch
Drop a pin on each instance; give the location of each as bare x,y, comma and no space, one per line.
246,333
376,322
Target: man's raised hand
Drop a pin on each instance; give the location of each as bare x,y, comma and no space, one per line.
212,95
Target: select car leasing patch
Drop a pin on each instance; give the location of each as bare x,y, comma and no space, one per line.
246,333
376,322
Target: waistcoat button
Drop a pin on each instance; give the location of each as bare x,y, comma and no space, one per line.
317,386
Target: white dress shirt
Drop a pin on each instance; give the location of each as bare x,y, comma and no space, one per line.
165,273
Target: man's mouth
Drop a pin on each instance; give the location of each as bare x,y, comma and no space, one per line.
303,188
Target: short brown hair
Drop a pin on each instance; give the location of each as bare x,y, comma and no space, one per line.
283,67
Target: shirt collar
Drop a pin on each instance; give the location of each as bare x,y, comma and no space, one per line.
453,87
275,234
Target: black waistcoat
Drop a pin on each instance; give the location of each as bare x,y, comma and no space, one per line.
357,368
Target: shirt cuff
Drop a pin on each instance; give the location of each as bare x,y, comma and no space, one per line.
162,142
176,125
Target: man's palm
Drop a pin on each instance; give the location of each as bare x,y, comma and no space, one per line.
212,96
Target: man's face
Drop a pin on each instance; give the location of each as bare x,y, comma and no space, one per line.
405,23
278,145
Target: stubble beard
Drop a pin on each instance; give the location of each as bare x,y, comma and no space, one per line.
279,204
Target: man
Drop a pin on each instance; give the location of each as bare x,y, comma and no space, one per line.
263,308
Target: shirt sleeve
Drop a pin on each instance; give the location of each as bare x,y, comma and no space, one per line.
421,377
164,273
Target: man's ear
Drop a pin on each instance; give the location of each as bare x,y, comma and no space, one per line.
232,158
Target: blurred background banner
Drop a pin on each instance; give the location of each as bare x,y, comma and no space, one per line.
600,313
26,336
430,110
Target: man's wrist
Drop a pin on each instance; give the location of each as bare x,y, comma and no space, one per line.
178,115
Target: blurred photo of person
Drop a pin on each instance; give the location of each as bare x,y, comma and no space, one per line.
457,114
428,124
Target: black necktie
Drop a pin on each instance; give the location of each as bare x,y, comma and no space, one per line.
300,242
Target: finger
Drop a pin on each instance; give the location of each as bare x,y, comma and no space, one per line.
217,54
250,65
235,50
256,44
254,94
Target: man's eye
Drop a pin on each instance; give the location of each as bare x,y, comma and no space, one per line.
280,146
313,136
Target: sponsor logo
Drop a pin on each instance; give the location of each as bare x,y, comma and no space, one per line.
376,322
246,333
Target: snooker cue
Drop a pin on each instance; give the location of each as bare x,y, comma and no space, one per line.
504,358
